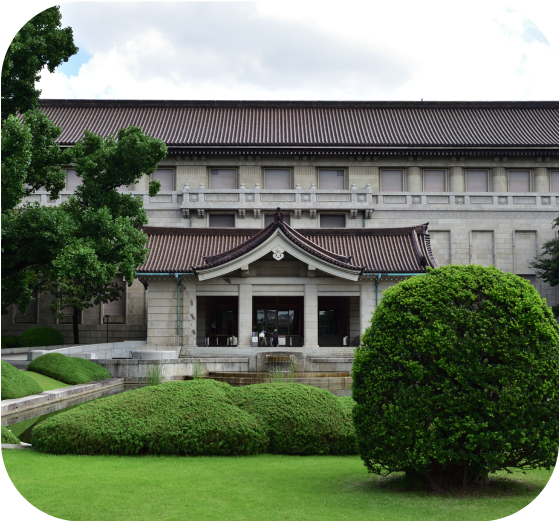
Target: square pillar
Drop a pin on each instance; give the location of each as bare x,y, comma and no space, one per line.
162,311
245,315
311,315
366,304
188,313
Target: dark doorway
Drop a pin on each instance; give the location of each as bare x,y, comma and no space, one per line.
217,320
333,321
282,313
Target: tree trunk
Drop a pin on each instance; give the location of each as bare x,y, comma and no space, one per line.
75,319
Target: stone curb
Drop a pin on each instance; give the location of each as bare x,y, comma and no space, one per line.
15,446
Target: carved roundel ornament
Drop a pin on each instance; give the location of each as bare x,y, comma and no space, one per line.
278,253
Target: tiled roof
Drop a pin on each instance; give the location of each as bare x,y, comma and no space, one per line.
380,250
315,124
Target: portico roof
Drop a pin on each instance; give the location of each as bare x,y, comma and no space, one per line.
351,250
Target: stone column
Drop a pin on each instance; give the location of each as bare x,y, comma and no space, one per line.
541,180
414,183
499,180
457,179
245,315
367,304
311,315
189,313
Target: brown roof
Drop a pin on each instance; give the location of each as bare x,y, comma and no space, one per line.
371,250
315,124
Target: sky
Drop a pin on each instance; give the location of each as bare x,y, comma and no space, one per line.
309,50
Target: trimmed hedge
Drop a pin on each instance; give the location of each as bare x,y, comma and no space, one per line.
192,418
299,419
10,341
41,336
16,384
67,369
203,417
8,437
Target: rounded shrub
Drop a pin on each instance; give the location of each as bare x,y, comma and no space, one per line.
10,341
70,370
299,419
458,376
16,384
195,417
41,336
8,437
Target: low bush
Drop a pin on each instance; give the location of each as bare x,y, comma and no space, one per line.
41,336
10,341
15,384
197,417
8,437
300,419
67,369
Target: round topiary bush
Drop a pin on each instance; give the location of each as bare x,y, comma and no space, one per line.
41,336
458,376
10,341
299,419
195,417
16,384
70,370
8,437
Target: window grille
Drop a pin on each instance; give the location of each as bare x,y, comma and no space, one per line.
222,221
277,179
331,179
434,181
165,177
555,181
392,180
72,180
117,307
223,179
332,221
519,181
476,181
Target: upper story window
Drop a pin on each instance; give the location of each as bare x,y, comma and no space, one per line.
275,179
72,180
332,221
116,308
555,181
30,316
392,180
222,220
519,181
331,179
223,179
477,181
434,181
166,177
269,219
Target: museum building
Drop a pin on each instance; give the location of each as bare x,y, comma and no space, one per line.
296,216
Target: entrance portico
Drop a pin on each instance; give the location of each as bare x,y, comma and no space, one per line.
318,289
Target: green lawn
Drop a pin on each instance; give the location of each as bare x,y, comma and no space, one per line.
48,384
266,487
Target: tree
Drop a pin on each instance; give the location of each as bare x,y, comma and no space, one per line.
41,42
457,377
547,264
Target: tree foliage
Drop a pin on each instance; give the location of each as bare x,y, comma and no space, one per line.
457,376
547,264
41,42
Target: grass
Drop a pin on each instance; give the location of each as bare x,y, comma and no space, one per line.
46,383
267,487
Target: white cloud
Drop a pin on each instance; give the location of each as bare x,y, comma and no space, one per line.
306,50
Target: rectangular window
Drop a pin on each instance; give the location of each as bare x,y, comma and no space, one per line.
223,179
530,278
116,307
123,188
434,181
72,180
69,316
331,179
277,179
31,310
165,177
222,221
269,219
555,181
392,180
519,181
332,221
476,181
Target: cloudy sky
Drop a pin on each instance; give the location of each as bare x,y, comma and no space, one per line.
309,50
